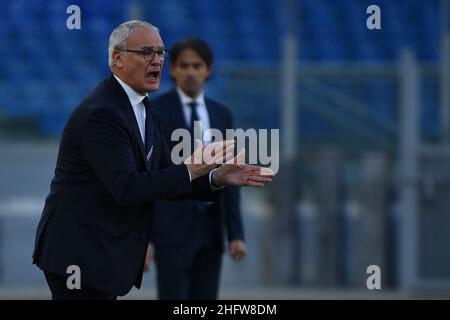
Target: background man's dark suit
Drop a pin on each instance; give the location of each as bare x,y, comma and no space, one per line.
102,161
188,236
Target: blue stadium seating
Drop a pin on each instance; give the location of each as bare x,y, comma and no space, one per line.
56,67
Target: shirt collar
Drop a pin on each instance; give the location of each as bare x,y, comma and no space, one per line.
133,96
185,99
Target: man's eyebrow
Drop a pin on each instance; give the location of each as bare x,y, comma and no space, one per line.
153,48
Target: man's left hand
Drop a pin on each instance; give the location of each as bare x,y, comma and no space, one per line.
236,173
237,249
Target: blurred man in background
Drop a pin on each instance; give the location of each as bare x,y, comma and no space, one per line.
188,235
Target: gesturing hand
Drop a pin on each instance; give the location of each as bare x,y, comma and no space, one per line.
206,158
235,173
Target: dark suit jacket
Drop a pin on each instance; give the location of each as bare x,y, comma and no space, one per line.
99,210
173,219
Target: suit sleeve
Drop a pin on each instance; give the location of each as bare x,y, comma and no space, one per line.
106,146
201,188
232,202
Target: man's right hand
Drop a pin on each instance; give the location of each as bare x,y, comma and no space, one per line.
206,158
236,173
148,257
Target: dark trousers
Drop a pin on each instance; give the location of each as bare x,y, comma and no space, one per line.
192,271
58,287
181,276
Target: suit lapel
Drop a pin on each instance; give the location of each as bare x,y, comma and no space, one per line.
178,119
213,118
137,134
216,119
153,164
125,105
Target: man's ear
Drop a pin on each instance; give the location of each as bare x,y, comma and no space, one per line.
118,58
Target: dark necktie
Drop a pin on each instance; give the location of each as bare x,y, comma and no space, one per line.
200,206
148,128
194,117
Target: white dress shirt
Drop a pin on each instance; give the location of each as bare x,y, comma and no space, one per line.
137,104
202,112
203,116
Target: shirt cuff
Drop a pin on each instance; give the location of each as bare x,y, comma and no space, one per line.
213,187
189,173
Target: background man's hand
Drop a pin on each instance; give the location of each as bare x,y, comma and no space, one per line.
237,249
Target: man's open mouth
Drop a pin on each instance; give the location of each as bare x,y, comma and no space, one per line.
154,75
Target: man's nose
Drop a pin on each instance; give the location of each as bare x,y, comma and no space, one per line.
191,71
156,61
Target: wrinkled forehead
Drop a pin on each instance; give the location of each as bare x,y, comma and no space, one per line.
145,37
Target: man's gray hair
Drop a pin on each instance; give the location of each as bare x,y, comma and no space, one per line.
122,32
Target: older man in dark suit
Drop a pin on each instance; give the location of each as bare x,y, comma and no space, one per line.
112,165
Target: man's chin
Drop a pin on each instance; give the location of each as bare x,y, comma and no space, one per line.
152,87
191,92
